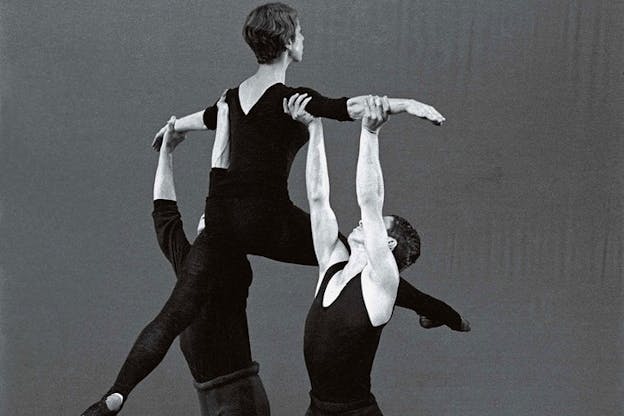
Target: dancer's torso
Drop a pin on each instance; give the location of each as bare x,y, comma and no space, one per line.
340,343
264,141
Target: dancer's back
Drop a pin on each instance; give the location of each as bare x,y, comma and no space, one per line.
264,141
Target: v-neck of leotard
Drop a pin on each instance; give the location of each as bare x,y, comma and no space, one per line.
238,101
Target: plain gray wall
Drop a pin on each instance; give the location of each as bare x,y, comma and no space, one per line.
518,198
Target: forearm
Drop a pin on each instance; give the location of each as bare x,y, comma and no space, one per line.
356,105
221,148
191,122
369,189
317,175
369,179
164,187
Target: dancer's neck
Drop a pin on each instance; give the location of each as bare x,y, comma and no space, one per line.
358,259
271,73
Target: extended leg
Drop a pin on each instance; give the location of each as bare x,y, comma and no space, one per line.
184,304
217,342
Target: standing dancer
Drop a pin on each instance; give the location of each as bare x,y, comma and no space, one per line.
248,209
356,290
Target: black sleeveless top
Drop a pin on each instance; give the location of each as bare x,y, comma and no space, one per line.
265,141
340,343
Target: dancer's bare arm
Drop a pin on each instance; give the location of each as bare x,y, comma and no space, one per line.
221,148
202,120
356,107
384,274
327,246
192,122
164,187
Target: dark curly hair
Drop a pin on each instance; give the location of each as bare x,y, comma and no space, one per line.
407,249
268,28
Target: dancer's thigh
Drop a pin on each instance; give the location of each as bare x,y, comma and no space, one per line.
217,342
210,254
275,229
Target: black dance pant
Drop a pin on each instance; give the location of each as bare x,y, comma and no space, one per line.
367,407
217,341
216,345
240,393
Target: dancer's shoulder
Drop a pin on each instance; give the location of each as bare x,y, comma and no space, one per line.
298,90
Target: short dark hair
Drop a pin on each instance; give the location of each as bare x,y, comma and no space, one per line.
268,28
407,249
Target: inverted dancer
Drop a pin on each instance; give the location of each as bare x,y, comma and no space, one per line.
356,290
248,209
216,345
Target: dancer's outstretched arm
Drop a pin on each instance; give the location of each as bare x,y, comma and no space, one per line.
192,122
320,106
327,246
382,280
356,107
164,187
202,120
334,108
221,148
370,196
167,220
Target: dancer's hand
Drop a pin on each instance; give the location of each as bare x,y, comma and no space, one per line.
172,138
295,107
418,109
222,105
158,138
376,110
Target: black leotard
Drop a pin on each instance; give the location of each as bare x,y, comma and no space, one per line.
340,343
265,141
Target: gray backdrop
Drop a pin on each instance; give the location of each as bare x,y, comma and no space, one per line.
518,198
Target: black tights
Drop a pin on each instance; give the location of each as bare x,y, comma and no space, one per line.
216,344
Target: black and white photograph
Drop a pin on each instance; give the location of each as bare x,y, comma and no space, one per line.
319,208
